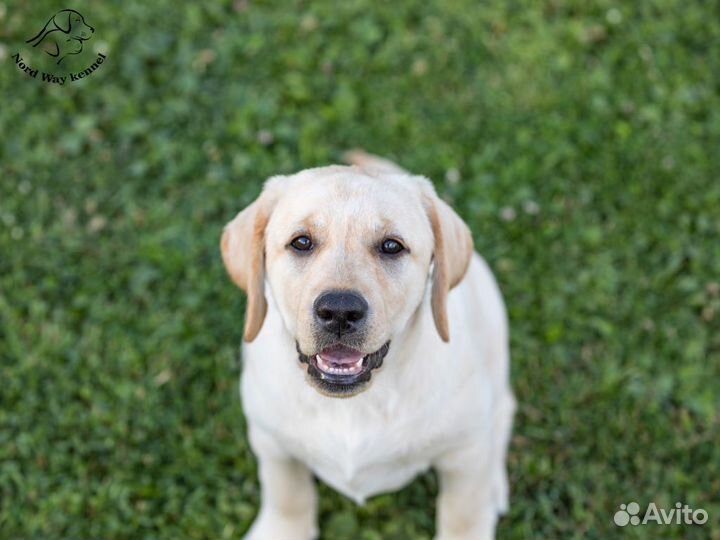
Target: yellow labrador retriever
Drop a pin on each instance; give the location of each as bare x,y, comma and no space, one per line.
362,284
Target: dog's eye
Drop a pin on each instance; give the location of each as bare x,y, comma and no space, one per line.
390,246
302,243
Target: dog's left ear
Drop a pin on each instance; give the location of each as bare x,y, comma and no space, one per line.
62,20
452,254
243,252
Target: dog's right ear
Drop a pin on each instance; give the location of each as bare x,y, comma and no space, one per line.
62,20
243,252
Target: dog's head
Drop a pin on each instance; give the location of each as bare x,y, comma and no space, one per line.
347,256
73,23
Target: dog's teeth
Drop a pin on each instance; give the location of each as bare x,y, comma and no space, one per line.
331,369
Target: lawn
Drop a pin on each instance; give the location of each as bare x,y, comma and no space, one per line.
579,140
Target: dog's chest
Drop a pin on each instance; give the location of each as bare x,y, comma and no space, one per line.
360,447
361,459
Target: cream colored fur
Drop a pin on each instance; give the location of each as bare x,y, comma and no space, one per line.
442,398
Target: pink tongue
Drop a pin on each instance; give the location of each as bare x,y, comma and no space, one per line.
341,355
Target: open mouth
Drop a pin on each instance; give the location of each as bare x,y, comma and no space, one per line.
339,369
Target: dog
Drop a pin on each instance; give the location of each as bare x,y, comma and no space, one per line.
69,30
356,277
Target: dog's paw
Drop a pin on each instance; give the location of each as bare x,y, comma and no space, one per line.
278,527
502,493
482,530
464,537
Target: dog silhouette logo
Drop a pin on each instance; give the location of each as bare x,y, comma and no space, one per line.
63,35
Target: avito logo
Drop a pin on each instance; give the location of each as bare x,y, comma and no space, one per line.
681,514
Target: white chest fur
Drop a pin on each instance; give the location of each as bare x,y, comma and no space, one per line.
358,455
361,446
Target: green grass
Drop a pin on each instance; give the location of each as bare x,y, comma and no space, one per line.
578,139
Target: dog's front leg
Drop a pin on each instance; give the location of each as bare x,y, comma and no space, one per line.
288,509
468,503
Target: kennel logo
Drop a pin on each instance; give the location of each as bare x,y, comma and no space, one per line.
681,514
63,36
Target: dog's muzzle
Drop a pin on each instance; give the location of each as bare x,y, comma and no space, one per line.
340,370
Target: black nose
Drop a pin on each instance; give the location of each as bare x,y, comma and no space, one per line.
340,312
